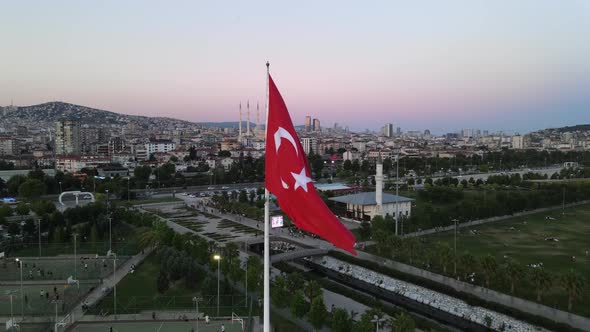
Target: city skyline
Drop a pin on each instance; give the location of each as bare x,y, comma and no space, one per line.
501,66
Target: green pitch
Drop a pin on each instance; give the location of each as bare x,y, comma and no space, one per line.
157,326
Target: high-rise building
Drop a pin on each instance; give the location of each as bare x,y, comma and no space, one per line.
307,124
387,130
67,137
316,125
398,131
517,142
310,144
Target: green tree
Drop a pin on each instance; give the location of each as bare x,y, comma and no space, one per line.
468,264
573,283
142,173
403,323
299,306
32,189
158,234
5,210
312,289
489,266
340,321
542,281
162,283
318,313
279,293
444,255
364,324
365,230
22,209
295,281
514,272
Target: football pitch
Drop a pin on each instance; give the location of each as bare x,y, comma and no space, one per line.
166,326
40,299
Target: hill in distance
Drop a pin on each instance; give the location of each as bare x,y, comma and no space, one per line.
48,113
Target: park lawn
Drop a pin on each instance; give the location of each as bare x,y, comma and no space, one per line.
523,240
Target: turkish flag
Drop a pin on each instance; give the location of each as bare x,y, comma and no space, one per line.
288,177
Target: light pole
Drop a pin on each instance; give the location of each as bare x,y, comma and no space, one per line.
22,298
455,260
11,312
396,193
218,259
56,302
110,235
75,260
128,192
377,320
39,226
60,190
246,283
196,300
115,286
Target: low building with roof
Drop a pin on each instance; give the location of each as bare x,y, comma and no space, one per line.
363,206
367,205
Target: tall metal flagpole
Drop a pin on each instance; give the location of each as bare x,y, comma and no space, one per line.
266,229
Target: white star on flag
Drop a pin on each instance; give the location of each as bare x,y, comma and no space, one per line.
301,180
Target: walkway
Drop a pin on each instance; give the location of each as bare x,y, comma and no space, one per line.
109,282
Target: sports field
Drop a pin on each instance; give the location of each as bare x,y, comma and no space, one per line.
35,303
559,241
58,268
166,326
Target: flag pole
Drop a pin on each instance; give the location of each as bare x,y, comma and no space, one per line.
266,326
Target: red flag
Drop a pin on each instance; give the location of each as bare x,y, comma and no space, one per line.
288,177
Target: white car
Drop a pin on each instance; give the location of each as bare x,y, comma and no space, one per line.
224,187
210,188
192,196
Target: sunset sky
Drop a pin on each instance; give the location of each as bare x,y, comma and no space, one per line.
443,65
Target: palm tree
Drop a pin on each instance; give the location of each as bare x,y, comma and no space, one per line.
154,236
542,281
573,284
403,323
468,264
489,266
514,272
445,255
394,244
312,289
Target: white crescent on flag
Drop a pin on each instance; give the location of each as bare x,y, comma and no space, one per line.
283,133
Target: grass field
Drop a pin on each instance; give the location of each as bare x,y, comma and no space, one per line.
55,268
157,326
524,239
34,304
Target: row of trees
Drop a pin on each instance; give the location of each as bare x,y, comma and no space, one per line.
440,205
305,300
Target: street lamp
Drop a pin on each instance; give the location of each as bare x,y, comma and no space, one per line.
377,320
56,302
218,259
455,260
128,189
196,300
60,190
75,260
115,286
39,226
22,298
